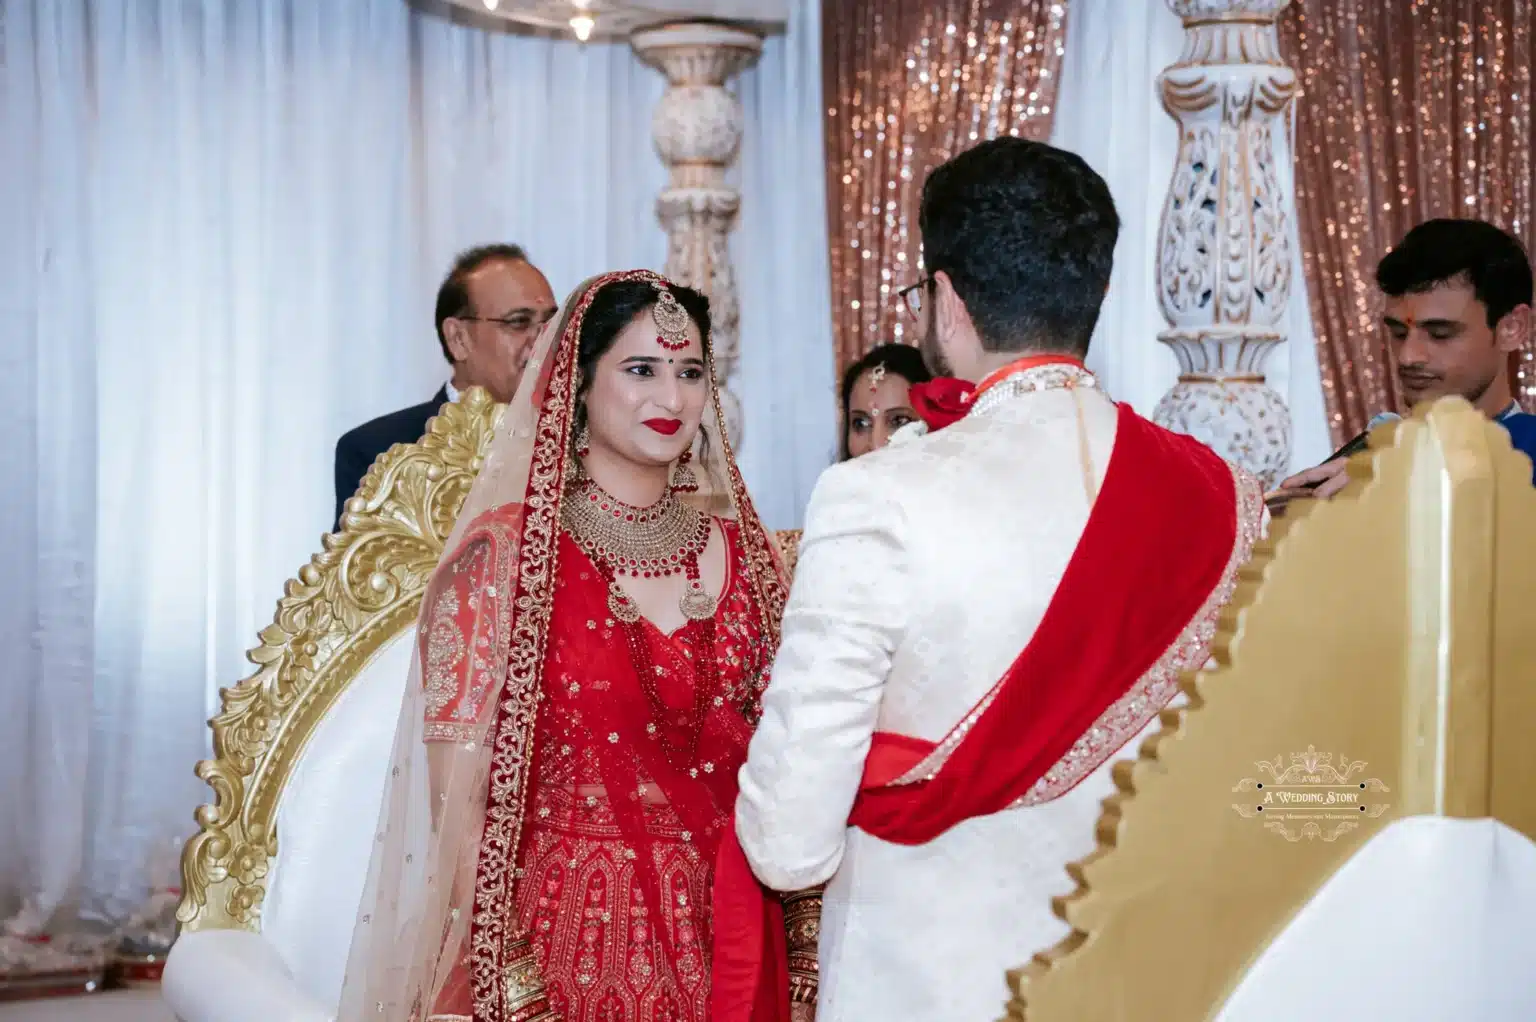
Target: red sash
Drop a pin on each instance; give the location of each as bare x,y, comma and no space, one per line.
1158,541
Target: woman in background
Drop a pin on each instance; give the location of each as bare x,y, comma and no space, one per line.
876,399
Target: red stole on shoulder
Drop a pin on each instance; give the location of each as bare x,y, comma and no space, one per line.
1158,542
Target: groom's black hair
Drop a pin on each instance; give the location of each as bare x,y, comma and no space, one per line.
1026,234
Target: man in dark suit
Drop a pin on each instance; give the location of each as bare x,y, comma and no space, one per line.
490,309
1457,313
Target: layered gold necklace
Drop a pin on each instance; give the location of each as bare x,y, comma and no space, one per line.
659,541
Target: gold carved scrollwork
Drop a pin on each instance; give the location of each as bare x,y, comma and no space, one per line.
351,599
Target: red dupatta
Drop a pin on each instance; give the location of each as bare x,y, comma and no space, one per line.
1136,604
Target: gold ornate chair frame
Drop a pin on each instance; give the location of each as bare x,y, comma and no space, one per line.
352,600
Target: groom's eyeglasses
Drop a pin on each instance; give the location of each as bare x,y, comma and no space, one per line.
912,296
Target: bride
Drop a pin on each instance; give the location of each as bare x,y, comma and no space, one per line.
592,653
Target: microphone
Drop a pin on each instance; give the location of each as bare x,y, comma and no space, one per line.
1362,441
1276,500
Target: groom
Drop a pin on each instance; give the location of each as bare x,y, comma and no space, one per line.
984,616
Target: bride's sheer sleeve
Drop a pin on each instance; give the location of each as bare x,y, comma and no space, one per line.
462,650
461,614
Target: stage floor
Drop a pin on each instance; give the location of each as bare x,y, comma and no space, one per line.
113,1006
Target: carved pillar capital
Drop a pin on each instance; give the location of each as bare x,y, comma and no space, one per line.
1224,249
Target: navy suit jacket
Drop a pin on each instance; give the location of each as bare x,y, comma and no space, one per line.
357,449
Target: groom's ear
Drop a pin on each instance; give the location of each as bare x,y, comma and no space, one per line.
952,320
944,302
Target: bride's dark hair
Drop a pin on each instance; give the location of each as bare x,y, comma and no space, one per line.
613,308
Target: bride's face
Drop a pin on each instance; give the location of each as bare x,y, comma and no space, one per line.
646,401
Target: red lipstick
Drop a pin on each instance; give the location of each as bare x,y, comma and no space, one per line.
666,427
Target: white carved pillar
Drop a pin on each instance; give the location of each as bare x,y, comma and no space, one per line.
698,128
1224,252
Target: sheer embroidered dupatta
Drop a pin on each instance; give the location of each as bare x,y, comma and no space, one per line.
441,883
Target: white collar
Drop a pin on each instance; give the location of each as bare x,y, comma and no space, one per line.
452,391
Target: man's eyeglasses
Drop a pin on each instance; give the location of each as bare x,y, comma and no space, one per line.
518,323
912,295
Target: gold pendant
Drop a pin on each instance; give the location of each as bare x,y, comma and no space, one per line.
621,606
696,604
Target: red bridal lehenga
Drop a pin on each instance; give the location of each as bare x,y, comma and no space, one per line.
633,780
563,771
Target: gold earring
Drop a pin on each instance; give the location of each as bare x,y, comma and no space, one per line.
683,480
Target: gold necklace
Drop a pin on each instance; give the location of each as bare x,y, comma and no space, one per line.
643,542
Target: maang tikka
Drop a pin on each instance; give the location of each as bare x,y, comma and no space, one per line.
876,377
671,319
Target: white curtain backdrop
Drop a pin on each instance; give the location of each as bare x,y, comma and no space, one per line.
1109,112
787,376
222,226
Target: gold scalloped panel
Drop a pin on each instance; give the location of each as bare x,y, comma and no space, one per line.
359,592
1357,673
1512,760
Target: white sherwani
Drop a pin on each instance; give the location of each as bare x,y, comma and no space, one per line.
923,571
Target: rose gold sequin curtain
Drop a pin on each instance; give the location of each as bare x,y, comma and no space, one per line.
907,85
1410,109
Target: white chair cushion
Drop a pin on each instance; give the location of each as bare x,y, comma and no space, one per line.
326,822
1432,919
234,976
